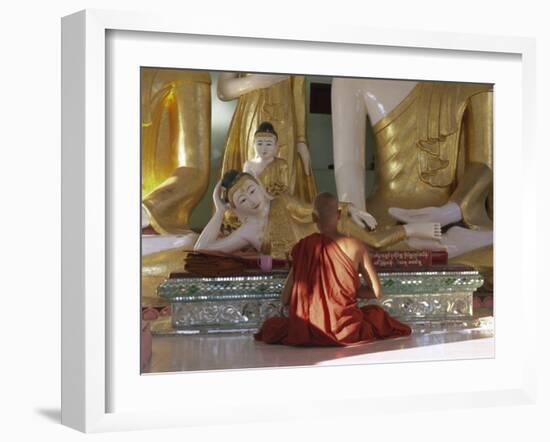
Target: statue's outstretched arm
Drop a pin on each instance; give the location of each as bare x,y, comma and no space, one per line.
232,243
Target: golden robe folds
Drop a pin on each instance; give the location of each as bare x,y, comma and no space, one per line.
437,146
176,120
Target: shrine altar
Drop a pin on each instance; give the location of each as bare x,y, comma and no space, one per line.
435,297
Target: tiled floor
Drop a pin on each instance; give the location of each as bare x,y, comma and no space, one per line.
215,352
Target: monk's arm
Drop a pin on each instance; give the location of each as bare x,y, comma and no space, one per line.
368,271
287,289
229,244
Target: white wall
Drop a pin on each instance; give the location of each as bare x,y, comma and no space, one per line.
30,219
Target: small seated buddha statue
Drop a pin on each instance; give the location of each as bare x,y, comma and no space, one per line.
270,170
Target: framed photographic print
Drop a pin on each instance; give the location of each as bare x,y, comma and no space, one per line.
252,214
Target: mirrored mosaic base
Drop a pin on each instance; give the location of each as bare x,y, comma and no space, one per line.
424,299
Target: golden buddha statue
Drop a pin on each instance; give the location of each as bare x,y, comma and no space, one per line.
433,159
175,109
273,224
270,170
434,147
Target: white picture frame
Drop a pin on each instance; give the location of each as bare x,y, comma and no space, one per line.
90,317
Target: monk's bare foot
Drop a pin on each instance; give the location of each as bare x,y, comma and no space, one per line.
446,214
423,230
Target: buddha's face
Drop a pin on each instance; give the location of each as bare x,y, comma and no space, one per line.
266,146
249,198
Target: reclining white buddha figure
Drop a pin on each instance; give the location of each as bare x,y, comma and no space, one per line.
175,153
271,220
273,224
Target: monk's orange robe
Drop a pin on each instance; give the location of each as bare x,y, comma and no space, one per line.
323,308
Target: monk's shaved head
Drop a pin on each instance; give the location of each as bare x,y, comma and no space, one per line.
325,207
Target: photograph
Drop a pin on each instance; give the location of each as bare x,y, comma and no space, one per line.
297,220
291,221
284,221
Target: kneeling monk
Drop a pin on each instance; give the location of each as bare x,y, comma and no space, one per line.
322,287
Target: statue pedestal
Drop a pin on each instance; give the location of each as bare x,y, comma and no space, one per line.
437,297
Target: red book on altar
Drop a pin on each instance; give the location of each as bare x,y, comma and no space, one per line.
408,258
214,263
